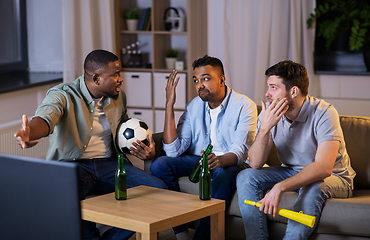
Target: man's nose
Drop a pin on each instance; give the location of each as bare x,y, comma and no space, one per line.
200,84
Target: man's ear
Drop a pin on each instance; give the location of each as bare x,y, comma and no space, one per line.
96,78
222,79
294,91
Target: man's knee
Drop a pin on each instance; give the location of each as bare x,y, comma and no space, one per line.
227,173
246,176
158,166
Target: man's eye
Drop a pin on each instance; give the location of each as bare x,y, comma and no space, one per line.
196,80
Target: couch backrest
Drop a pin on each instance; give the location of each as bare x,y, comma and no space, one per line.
356,131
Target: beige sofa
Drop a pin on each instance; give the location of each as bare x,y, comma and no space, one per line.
341,218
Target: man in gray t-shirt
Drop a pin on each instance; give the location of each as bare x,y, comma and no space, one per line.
310,145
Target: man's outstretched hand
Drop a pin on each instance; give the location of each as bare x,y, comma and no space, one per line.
23,135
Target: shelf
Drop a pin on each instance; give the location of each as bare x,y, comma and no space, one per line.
191,44
169,33
135,32
151,70
169,70
137,69
153,32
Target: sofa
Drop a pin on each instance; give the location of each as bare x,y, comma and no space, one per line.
341,218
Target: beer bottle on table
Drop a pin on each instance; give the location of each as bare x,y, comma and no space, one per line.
120,180
205,180
194,175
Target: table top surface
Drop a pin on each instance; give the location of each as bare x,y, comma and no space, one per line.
149,209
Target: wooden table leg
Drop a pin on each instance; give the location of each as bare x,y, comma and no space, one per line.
138,236
218,226
144,236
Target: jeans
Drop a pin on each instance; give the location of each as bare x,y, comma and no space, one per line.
252,184
223,184
96,176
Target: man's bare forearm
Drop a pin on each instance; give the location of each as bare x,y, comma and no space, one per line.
38,128
169,134
260,149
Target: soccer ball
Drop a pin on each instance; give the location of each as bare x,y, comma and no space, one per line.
129,131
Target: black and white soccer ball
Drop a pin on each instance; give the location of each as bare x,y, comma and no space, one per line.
129,131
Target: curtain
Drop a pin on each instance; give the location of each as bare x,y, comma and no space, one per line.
87,25
260,33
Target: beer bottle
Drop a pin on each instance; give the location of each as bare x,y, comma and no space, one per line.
194,175
120,180
205,180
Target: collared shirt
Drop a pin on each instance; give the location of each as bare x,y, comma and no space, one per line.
69,110
236,125
297,142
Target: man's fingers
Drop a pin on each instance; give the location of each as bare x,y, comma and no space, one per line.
176,82
263,104
25,121
150,139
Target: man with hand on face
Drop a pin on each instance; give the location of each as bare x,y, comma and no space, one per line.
81,119
218,116
310,145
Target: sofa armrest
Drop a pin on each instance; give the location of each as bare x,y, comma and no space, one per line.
158,139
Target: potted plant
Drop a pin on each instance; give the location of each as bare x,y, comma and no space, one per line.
132,16
340,16
171,58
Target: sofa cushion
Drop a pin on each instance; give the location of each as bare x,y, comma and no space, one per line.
348,216
356,131
187,186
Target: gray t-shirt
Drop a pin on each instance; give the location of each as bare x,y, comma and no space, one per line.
297,142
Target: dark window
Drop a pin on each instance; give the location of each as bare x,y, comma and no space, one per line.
13,40
338,59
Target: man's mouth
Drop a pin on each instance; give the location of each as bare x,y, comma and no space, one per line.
202,91
118,88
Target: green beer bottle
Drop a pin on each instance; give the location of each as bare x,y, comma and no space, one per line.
120,180
194,175
205,180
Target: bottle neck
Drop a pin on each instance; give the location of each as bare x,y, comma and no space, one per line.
205,162
120,162
208,149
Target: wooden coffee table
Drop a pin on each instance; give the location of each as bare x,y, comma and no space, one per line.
148,211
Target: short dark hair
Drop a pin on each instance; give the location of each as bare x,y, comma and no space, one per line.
207,60
98,59
293,74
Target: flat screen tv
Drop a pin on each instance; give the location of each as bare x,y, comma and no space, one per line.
39,199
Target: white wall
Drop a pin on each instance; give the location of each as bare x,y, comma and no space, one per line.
15,104
350,94
45,45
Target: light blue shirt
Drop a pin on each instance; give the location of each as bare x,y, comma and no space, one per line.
236,126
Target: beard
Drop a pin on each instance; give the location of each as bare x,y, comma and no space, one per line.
112,95
290,102
204,94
